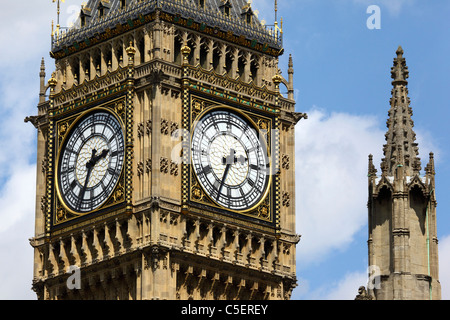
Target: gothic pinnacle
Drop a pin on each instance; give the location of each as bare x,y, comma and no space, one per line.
42,65
401,148
399,71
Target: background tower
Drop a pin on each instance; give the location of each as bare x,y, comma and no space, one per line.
118,196
403,244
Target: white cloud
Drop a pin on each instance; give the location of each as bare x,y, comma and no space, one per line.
346,288
19,89
17,216
394,7
17,198
265,8
444,267
331,177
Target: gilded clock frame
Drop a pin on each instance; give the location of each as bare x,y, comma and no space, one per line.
265,211
193,178
61,214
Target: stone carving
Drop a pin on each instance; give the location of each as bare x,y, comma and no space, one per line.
164,165
286,199
363,295
285,162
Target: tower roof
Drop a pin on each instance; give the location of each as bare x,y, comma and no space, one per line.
232,17
401,148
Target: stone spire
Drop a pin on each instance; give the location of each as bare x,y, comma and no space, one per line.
42,82
403,242
401,148
291,78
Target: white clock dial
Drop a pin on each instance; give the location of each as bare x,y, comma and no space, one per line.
91,162
229,160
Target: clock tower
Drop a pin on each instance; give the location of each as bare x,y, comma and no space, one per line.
166,156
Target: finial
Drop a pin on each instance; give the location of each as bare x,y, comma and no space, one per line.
131,51
399,71
430,169
399,52
58,7
43,66
52,83
372,169
42,82
291,64
277,79
276,10
185,51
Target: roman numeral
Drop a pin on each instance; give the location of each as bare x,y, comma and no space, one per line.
103,186
116,153
206,170
243,196
73,184
113,172
69,150
68,170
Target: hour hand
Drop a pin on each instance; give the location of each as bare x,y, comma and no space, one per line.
230,159
103,154
100,156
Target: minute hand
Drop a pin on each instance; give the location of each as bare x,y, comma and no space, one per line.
230,160
89,166
225,175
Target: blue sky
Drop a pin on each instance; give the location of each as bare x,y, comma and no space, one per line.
342,80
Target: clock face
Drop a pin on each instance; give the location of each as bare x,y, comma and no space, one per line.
91,162
229,160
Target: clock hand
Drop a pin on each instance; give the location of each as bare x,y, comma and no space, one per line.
227,169
229,161
242,160
94,159
89,165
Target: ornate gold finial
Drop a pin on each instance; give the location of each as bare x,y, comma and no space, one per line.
131,51
52,81
185,51
277,28
58,14
276,10
52,84
277,79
